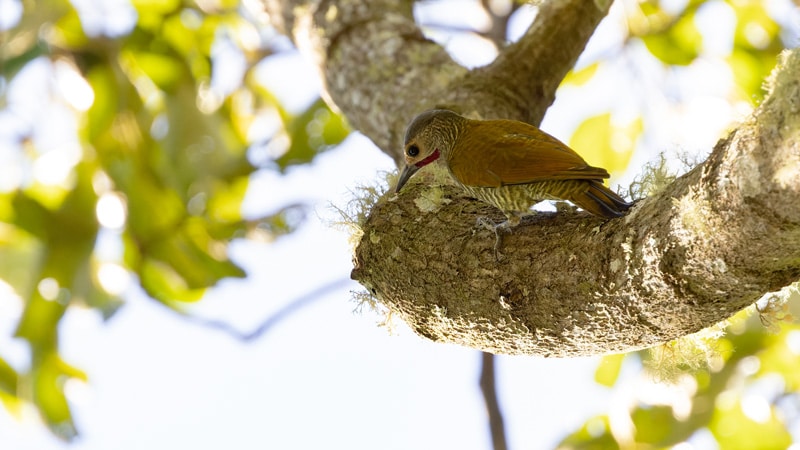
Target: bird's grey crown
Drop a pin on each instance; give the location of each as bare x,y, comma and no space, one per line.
424,120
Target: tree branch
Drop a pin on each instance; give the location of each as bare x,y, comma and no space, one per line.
380,70
377,66
499,20
521,83
708,245
269,322
487,383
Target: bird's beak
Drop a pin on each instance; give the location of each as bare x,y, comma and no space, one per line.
404,176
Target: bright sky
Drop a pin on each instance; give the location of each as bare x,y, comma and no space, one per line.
326,377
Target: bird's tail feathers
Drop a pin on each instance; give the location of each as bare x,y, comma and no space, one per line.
601,201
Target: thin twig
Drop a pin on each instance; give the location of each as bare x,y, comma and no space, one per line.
267,324
498,30
487,383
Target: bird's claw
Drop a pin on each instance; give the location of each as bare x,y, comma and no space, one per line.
497,229
485,223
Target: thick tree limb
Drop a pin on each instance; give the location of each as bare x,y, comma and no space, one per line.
708,245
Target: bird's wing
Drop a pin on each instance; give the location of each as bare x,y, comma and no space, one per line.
500,152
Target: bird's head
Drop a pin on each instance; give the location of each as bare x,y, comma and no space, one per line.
428,137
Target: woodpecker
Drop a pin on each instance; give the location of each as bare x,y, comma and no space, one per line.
509,164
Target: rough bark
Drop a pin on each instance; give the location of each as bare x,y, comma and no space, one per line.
708,245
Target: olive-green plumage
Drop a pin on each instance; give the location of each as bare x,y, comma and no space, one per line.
509,164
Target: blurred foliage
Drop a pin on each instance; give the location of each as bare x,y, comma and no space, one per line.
605,144
675,38
161,136
671,37
609,369
316,129
746,395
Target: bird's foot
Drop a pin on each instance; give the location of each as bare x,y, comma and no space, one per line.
485,223
498,229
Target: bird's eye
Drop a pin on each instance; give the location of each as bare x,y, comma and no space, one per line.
412,151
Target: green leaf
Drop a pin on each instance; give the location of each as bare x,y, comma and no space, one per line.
153,210
68,31
200,149
12,404
606,145
755,29
179,267
192,34
594,434
654,423
165,71
582,76
49,375
749,69
100,116
164,284
189,253
311,133
735,431
679,45
19,252
779,358
756,45
163,7
650,8
9,378
31,216
68,237
225,203
608,370
96,297
39,322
